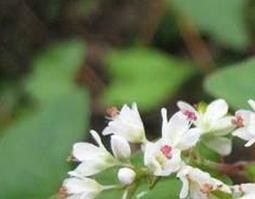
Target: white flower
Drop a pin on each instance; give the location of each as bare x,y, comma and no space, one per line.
126,176
162,159
177,132
213,122
244,191
80,188
164,156
120,148
94,159
245,121
127,123
197,184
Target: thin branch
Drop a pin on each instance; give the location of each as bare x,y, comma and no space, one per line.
196,46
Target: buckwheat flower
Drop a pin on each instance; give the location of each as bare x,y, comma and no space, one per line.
120,148
127,123
94,159
80,188
244,120
164,156
197,184
161,158
244,191
177,132
213,122
126,176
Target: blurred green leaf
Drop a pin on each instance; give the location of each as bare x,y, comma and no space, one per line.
146,76
250,172
34,149
9,100
222,19
54,70
236,84
165,189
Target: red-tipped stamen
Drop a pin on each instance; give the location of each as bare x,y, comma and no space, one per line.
190,115
238,121
167,151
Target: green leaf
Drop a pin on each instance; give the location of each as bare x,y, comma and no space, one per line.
236,84
222,19
165,189
146,76
54,71
250,172
34,149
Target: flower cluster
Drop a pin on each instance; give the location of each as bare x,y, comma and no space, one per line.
174,153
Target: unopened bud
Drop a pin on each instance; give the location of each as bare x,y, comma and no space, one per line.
112,112
126,176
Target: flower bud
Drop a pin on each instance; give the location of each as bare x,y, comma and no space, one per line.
120,147
126,176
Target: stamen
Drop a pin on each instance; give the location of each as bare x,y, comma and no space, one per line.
207,188
238,121
62,192
190,115
167,151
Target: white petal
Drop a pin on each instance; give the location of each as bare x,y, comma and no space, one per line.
250,142
172,165
189,139
243,133
93,166
174,129
252,104
251,124
222,126
216,110
245,115
120,147
220,145
136,113
149,154
83,151
185,106
185,187
82,186
97,138
248,188
248,196
107,130
164,122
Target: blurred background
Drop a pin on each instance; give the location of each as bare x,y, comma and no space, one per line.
62,63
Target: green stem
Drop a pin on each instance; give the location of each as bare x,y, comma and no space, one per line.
155,180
